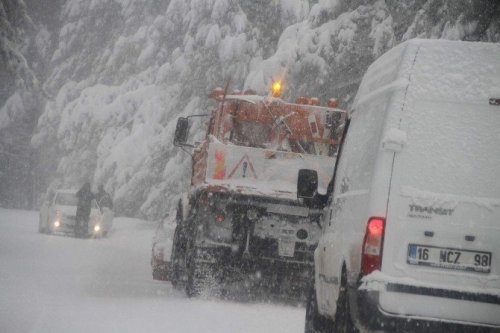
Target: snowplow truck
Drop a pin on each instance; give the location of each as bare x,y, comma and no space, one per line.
241,218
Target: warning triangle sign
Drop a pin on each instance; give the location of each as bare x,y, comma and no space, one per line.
244,168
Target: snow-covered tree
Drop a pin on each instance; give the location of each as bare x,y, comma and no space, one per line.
123,71
19,100
117,93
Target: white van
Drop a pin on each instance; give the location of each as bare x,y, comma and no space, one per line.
411,230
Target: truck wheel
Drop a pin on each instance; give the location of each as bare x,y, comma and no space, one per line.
315,322
174,277
178,275
194,283
343,321
175,272
200,277
178,260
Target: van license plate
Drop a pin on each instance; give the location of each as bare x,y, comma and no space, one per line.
286,248
464,260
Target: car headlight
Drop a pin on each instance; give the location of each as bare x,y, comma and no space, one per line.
57,224
97,227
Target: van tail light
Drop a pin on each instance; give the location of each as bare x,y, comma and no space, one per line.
371,255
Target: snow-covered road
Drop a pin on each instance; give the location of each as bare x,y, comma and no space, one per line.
54,283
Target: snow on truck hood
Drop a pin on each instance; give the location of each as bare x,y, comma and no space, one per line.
263,172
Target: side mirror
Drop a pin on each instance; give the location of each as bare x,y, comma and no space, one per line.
307,184
181,131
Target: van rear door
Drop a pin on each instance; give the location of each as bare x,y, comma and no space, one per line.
443,220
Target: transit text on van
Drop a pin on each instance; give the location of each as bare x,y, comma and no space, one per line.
430,210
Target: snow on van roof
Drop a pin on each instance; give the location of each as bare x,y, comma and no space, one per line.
436,69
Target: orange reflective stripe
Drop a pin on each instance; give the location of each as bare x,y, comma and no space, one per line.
220,164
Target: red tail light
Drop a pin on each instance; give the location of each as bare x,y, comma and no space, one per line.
219,217
371,252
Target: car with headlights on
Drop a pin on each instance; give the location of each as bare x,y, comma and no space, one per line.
59,216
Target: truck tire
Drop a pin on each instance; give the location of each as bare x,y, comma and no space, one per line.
195,279
193,287
176,273
315,322
178,260
175,277
200,277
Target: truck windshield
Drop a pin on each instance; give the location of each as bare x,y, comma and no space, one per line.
251,134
